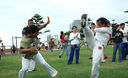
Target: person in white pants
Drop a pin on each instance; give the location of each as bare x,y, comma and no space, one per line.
28,47
97,43
40,60
94,33
30,22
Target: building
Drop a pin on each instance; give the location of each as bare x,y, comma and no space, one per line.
76,23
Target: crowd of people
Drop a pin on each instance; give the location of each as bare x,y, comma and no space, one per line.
97,37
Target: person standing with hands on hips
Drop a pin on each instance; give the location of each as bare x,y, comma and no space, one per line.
75,45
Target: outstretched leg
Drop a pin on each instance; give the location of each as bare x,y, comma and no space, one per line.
39,59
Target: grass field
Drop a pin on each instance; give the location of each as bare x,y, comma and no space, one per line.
10,66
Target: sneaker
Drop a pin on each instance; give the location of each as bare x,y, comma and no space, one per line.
59,56
103,61
69,63
55,77
90,57
83,20
34,70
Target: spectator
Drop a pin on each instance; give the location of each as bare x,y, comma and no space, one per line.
0,48
93,27
64,41
117,36
75,45
46,45
51,45
125,42
13,49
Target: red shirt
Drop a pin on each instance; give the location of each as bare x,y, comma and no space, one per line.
62,39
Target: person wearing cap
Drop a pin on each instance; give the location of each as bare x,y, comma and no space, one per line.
30,22
0,47
117,37
75,45
28,47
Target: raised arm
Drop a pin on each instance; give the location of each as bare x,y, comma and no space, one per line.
44,25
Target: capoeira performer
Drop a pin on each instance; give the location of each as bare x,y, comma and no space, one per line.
28,47
30,22
97,43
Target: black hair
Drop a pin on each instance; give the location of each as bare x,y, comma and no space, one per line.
61,33
66,33
104,21
33,29
92,23
74,27
25,30
30,20
122,24
115,27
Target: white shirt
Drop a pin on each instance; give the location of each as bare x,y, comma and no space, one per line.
74,40
103,34
124,33
45,43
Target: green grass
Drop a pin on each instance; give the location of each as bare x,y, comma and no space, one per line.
10,66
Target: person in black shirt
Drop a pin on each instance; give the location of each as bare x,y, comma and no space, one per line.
117,36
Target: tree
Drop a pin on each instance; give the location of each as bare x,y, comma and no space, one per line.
126,12
38,20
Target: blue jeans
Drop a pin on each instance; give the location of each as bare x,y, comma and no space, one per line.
115,47
65,46
124,50
74,48
52,48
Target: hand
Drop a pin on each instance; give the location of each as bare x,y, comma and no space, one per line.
76,35
48,20
126,35
32,49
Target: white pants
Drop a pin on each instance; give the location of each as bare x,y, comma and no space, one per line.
39,59
97,49
31,65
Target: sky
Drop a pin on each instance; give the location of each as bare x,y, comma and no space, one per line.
14,14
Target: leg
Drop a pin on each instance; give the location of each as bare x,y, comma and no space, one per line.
39,59
127,50
71,54
63,46
51,48
102,58
77,53
97,54
120,52
31,65
124,51
0,56
25,65
67,53
89,37
115,47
